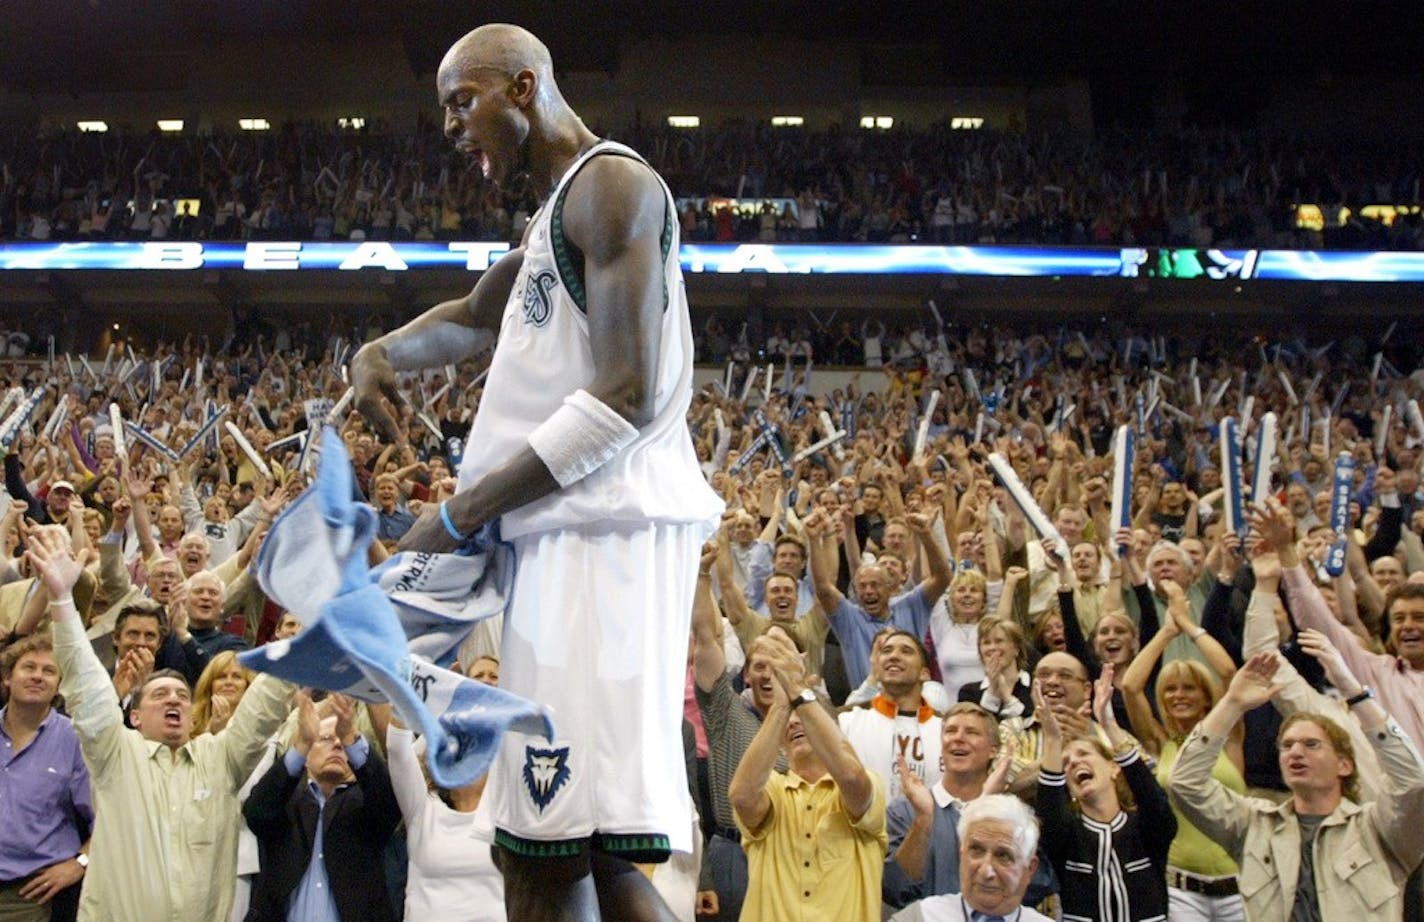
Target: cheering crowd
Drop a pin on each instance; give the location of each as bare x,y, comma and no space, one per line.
931,184
952,652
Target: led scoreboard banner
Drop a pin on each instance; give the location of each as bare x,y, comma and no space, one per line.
734,258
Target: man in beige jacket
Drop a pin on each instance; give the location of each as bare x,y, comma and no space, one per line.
1321,854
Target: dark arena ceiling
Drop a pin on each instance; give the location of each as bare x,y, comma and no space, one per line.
89,46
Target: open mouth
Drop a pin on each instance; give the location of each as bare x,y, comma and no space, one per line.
1081,776
1408,636
173,717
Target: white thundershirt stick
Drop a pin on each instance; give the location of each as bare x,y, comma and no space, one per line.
247,449
1031,510
116,420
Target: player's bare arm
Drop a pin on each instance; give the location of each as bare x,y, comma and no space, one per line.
614,214
445,334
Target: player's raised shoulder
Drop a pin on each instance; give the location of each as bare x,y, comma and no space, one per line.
611,203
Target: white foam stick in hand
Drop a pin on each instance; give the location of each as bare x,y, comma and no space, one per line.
748,384
1416,421
441,392
1235,506
1179,414
1325,432
116,420
1124,448
979,428
1031,510
296,438
56,419
1382,433
1246,410
922,436
766,388
811,449
828,429
727,378
1265,458
1285,383
334,417
247,449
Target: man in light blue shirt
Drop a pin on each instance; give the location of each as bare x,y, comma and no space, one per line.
855,625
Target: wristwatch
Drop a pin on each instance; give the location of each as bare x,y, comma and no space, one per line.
83,860
806,697
1366,693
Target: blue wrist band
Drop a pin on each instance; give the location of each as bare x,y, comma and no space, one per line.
449,525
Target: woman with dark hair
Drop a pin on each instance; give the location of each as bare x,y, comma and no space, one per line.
1201,876
1107,825
1005,689
451,876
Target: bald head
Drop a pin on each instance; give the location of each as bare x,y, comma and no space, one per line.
503,107
501,47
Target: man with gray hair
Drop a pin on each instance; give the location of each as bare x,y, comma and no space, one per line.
998,842
1167,562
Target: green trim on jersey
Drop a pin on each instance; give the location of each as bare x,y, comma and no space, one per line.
567,258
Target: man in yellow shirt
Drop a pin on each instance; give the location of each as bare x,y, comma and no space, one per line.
815,835
164,847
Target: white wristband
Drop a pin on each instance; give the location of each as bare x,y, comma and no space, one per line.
67,600
581,436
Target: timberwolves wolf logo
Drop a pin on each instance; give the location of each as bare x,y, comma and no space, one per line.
545,771
537,303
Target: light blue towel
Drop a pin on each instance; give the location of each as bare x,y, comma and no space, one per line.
361,642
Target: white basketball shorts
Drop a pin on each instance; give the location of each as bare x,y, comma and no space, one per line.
597,630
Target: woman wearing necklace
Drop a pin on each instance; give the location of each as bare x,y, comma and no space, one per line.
1107,825
1201,877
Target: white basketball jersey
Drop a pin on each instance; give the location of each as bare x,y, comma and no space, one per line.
543,355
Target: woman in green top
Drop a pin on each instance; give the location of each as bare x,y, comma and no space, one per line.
1201,877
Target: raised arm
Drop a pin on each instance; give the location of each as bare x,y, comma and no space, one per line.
938,578
1145,725
856,788
443,335
821,558
709,659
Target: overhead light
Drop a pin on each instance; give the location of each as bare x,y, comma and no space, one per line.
254,124
170,124
966,123
881,122
353,121
93,126
683,121
787,121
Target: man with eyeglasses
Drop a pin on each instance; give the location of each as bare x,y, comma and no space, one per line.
1067,691
1321,854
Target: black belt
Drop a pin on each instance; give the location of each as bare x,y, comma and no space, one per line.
1222,886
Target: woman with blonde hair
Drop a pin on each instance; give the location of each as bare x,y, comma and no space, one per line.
221,686
1201,877
954,626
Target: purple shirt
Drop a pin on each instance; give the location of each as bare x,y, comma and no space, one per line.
44,798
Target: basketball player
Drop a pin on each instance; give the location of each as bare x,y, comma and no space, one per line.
580,448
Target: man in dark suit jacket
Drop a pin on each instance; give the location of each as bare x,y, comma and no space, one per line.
329,795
